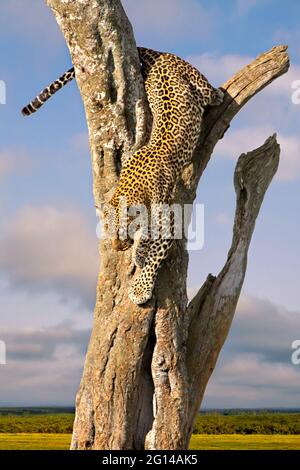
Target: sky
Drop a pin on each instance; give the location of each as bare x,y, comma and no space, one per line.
48,244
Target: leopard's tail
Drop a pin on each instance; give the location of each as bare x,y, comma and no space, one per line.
35,104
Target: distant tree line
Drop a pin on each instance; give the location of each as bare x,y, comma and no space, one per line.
206,423
248,423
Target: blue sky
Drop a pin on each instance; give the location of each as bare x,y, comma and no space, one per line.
48,247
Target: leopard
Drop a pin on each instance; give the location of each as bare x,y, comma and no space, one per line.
178,95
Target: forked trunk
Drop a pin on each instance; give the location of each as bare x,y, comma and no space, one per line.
147,367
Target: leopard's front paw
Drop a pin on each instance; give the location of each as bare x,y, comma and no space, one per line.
140,251
138,259
219,97
138,293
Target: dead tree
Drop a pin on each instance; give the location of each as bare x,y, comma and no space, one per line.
147,367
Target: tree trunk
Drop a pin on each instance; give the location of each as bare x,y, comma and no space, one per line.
147,367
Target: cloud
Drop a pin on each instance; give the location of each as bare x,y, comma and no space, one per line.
23,308
289,168
270,111
245,139
255,369
241,141
43,365
168,21
29,344
264,329
283,85
13,161
53,382
6,164
219,68
80,142
45,248
248,382
291,37
223,219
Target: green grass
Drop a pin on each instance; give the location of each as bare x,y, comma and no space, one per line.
45,423
201,442
242,442
22,441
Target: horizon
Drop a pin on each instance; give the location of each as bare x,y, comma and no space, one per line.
68,407
47,295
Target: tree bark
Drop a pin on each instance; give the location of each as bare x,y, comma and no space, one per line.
147,367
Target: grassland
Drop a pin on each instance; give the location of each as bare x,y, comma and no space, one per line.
25,441
36,441
244,442
51,430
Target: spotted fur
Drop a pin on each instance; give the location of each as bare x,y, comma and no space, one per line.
177,95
